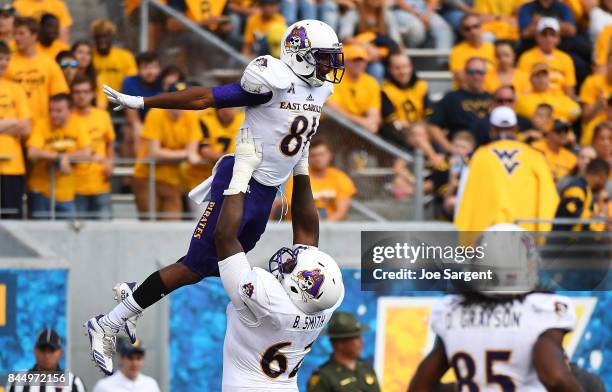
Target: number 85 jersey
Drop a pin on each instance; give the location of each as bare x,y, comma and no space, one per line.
490,347
284,125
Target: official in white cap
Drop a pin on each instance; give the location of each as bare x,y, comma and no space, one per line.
503,123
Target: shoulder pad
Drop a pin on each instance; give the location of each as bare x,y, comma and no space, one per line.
552,311
265,74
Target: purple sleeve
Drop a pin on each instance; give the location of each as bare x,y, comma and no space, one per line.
232,95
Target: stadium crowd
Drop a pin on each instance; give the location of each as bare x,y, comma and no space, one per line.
548,60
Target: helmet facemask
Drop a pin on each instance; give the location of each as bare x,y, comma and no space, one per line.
328,64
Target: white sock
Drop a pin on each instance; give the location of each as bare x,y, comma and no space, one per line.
123,311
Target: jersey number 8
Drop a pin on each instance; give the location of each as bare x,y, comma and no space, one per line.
273,354
293,141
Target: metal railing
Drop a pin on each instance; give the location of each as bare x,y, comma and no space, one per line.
372,139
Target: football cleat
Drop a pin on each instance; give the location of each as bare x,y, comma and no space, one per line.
101,343
122,291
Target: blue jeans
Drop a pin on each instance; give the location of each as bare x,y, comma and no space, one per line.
453,18
290,8
93,206
40,207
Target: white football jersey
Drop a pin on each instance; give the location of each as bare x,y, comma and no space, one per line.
266,341
492,350
284,125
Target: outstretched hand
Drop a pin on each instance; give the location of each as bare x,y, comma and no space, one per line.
123,100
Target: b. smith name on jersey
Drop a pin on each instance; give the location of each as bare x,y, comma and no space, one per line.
309,322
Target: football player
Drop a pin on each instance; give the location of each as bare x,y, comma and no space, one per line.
274,316
505,340
284,99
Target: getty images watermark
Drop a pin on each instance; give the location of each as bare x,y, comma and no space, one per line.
426,254
506,261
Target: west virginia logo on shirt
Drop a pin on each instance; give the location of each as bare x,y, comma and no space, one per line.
508,159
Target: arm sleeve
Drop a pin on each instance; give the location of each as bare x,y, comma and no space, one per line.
551,311
438,116
248,92
387,110
232,271
572,203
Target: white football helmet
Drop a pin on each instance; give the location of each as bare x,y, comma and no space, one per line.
311,278
313,52
510,253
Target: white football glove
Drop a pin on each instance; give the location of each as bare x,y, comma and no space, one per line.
123,100
301,167
247,158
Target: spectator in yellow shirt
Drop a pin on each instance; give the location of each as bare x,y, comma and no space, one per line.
357,97
589,129
561,65
93,178
565,108
15,126
332,189
505,72
499,19
112,64
219,128
36,8
594,94
560,160
602,48
404,100
83,53
257,26
169,137
39,76
48,42
472,46
7,19
52,144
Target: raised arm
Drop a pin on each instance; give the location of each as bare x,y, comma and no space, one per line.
233,264
304,216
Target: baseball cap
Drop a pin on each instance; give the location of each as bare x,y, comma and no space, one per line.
343,325
6,7
503,117
48,338
354,52
125,348
539,67
548,23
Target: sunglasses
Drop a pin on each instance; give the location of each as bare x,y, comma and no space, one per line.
473,71
68,64
470,27
504,100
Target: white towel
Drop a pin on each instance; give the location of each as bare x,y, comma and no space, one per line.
201,193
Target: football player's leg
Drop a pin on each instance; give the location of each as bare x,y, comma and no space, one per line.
257,207
201,257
